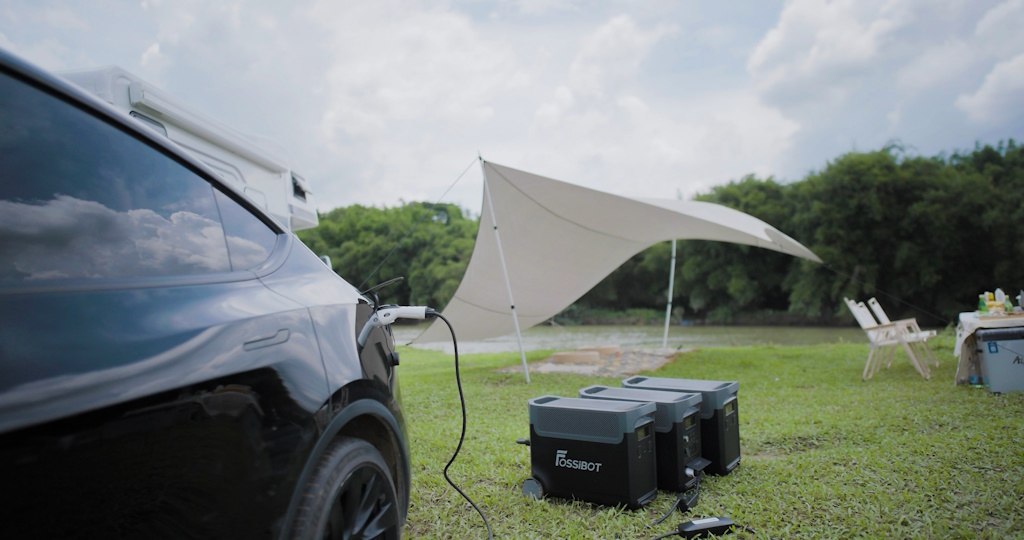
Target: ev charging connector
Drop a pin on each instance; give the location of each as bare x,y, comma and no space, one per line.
386,315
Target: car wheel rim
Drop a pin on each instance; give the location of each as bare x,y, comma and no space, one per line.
365,508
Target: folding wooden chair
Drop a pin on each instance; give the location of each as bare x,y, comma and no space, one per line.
909,331
882,336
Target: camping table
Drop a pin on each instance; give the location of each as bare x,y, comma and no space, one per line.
966,348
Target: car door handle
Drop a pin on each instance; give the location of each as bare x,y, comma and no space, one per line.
280,337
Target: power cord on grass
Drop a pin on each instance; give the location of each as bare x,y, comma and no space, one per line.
687,502
462,437
697,528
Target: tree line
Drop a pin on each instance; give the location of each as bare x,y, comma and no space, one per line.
427,244
925,235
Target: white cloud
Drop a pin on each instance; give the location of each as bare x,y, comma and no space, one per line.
611,54
1000,95
49,53
633,106
551,111
746,131
857,75
426,65
546,7
602,128
717,35
632,146
216,41
999,30
388,100
821,49
267,22
936,65
152,56
64,19
411,92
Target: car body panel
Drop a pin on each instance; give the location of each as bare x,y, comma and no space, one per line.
181,406
68,352
212,459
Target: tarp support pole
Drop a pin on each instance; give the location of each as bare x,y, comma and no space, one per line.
504,269
668,308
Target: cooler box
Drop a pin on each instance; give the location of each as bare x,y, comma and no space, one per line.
1002,358
593,450
719,416
676,430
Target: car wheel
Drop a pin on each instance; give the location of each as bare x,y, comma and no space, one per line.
350,495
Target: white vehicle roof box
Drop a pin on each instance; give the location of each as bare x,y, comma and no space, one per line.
256,166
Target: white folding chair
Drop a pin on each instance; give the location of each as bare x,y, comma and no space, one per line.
909,331
882,336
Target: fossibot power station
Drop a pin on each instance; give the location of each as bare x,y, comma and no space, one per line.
594,450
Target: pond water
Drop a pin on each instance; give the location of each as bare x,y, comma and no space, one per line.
636,337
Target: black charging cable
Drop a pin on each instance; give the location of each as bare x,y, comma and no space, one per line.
687,502
697,528
462,437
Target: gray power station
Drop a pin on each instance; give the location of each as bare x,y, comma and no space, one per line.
719,413
676,431
592,450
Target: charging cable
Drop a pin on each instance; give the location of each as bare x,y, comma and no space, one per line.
683,502
695,470
462,437
697,528
384,316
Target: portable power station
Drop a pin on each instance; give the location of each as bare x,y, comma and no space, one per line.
719,416
676,431
592,450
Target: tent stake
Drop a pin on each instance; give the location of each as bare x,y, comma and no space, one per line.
504,269
668,308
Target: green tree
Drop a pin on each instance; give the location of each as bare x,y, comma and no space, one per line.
903,227
428,244
923,234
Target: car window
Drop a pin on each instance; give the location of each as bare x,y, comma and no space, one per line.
250,241
81,199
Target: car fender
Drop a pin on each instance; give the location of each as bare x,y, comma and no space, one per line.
361,408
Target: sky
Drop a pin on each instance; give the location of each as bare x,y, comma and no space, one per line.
388,101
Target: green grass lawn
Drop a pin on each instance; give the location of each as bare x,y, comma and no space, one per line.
825,455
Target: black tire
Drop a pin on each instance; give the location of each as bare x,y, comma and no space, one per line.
350,496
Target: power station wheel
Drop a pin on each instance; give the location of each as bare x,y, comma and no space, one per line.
533,489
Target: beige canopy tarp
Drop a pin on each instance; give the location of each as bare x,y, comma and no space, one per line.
559,240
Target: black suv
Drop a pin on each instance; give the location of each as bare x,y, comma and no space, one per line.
174,363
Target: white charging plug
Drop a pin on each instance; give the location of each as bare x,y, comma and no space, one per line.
386,315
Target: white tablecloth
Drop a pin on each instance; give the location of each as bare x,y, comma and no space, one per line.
966,347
